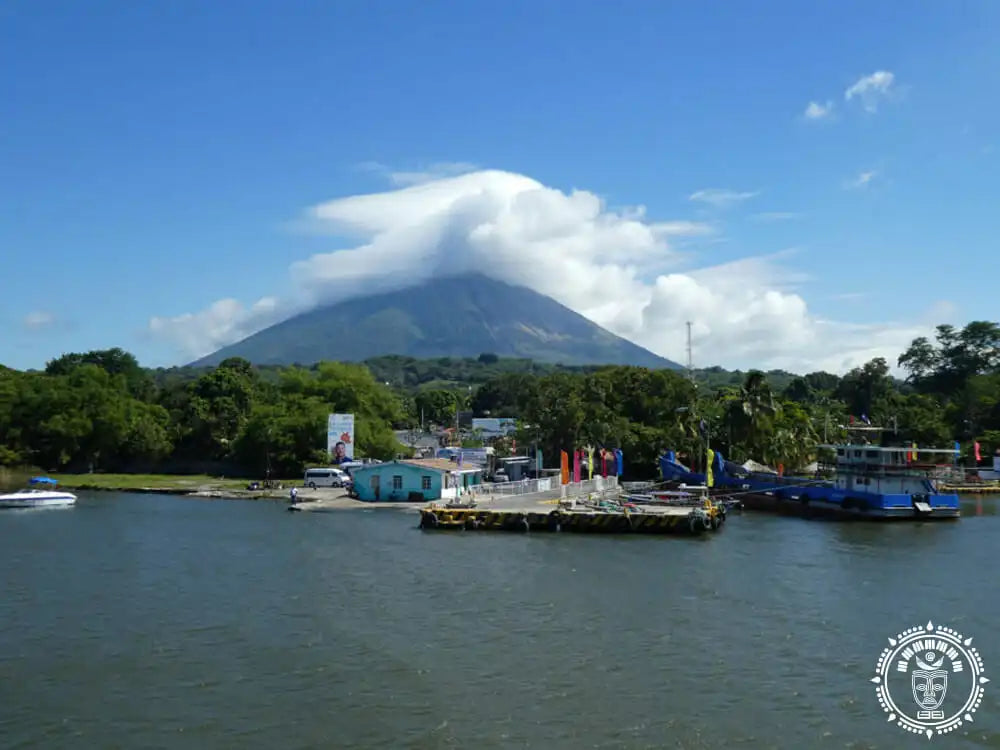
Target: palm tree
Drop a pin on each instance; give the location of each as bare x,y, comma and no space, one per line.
752,409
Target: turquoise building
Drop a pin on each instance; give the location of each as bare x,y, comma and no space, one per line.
413,480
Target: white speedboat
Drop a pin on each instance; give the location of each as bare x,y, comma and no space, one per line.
34,498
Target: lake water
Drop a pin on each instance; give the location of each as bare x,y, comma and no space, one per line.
159,622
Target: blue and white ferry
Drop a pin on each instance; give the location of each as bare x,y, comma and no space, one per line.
870,481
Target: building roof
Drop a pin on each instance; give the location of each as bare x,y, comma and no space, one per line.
439,464
433,464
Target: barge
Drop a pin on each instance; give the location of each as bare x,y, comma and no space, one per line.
606,517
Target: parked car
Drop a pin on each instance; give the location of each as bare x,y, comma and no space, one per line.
325,477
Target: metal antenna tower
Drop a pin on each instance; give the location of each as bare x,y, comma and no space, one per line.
690,365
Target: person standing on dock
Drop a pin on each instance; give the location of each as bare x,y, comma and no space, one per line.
293,494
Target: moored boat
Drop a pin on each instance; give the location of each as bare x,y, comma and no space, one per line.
870,481
38,498
684,495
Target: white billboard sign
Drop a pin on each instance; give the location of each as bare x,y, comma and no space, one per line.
340,438
492,427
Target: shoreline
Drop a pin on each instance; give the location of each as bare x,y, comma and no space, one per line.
313,500
221,493
184,485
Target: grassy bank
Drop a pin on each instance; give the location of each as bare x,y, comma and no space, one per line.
164,482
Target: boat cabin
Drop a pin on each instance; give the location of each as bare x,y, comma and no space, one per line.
890,470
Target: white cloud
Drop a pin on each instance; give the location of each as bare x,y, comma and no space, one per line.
720,197
775,216
941,311
435,171
686,228
862,180
849,296
817,111
221,323
569,246
38,319
870,89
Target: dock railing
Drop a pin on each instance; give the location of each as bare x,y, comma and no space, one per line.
490,490
510,489
587,486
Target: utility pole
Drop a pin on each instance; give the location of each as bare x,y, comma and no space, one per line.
701,456
690,366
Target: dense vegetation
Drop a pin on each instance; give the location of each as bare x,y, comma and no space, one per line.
101,410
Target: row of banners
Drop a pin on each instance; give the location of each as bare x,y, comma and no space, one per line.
610,462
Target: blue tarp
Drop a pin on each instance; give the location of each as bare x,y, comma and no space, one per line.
43,480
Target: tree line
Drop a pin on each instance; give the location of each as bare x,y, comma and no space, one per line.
102,411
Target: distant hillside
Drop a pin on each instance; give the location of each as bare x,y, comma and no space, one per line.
410,374
457,316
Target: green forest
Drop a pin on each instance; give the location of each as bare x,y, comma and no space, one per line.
102,411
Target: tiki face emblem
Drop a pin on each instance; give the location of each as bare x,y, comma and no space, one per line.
945,674
930,682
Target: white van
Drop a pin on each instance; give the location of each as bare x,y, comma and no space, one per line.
325,478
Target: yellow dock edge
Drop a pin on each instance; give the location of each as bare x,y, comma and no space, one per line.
970,489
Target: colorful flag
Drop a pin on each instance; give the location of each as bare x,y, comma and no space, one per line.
619,461
604,462
538,459
709,474
975,448
576,466
564,466
590,462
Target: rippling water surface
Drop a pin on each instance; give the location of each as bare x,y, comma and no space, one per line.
147,621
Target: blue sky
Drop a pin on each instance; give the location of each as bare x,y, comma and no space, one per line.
156,157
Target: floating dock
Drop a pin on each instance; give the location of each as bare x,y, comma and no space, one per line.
972,489
604,519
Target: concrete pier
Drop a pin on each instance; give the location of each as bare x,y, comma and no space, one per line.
601,517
